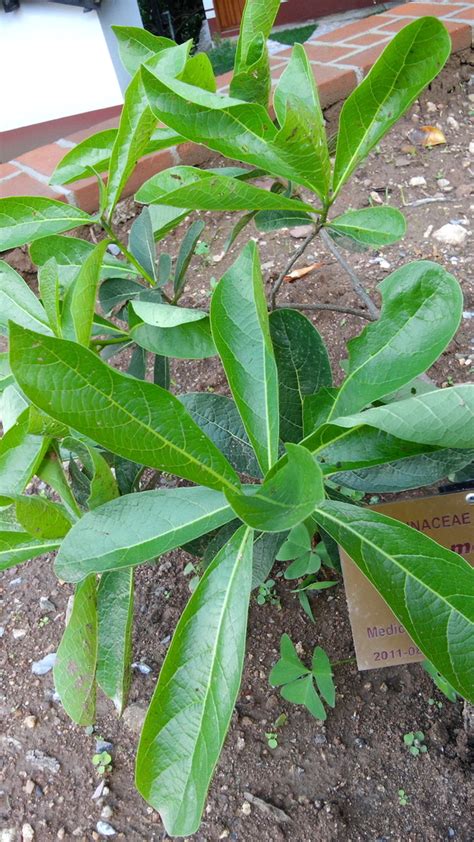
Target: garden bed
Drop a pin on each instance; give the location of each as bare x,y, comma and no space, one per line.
337,781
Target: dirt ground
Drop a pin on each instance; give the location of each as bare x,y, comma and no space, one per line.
337,782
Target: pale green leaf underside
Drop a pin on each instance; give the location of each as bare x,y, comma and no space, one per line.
115,614
27,218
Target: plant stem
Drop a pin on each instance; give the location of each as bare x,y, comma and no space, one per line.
344,661
356,284
115,340
289,266
334,307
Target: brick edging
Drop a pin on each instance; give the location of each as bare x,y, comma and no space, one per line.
340,59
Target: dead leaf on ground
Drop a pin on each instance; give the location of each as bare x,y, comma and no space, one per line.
296,274
427,136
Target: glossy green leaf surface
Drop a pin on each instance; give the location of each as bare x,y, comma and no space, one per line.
273,220
192,705
141,243
297,106
189,341
115,291
358,447
20,456
322,671
189,187
303,367
199,72
265,549
186,251
139,527
289,667
79,304
94,152
16,547
368,228
27,218
135,419
444,418
251,81
407,472
429,588
42,518
70,254
302,692
76,658
285,498
115,615
18,302
167,315
136,45
49,290
219,418
135,128
100,485
164,219
239,130
421,311
407,65
240,327
258,17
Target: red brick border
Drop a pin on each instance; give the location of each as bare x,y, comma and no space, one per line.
339,60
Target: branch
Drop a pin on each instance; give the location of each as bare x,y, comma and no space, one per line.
356,284
333,307
276,286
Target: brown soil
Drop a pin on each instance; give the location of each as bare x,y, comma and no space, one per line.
337,781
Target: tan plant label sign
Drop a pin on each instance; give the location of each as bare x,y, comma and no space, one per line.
379,639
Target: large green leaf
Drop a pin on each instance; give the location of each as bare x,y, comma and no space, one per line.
79,304
115,615
139,527
239,130
129,417
258,18
27,218
196,692
444,418
164,219
70,254
141,243
286,497
136,45
219,418
407,65
136,125
297,106
358,447
18,303
94,152
273,220
429,588
240,327
42,518
367,228
20,456
50,291
406,473
16,547
76,658
303,367
251,81
199,72
188,341
421,311
189,187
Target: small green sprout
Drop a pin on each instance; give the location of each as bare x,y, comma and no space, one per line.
267,593
103,762
202,248
435,703
43,621
414,741
194,580
272,739
403,798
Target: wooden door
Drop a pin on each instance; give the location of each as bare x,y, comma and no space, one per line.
229,13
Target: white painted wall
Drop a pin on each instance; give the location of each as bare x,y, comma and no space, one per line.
54,62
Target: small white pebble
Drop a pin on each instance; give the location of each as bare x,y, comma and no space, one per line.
246,808
418,181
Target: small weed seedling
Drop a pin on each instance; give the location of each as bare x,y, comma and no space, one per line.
403,798
435,703
414,742
102,762
297,681
191,570
272,736
267,594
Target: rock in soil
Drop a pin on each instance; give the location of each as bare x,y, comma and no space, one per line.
451,235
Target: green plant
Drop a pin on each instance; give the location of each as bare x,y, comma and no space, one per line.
403,798
297,681
415,743
267,594
103,762
288,449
